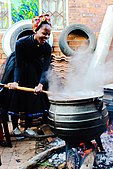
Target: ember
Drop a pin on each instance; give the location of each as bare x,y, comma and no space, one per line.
77,158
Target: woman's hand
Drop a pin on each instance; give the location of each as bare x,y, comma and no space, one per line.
38,88
12,85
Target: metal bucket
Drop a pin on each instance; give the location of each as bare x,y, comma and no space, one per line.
78,120
108,99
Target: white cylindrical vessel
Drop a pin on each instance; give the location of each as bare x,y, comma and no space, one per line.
104,39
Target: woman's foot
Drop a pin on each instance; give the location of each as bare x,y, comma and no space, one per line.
30,132
17,131
3,143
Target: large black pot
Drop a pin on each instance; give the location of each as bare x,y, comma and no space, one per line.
79,120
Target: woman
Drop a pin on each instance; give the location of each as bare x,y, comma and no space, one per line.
33,56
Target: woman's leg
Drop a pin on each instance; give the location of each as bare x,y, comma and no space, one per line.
28,121
14,118
16,130
28,125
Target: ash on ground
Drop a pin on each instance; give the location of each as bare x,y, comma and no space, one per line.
105,160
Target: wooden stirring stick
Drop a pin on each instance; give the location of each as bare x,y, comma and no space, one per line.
27,89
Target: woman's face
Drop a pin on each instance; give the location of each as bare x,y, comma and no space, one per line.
43,34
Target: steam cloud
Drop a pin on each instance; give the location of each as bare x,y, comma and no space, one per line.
81,80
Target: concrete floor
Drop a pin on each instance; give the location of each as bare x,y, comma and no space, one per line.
20,152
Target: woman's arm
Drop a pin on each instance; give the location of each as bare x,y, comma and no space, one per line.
46,64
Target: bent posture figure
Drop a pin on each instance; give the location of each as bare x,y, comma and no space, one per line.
32,61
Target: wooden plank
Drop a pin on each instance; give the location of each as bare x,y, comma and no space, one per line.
46,130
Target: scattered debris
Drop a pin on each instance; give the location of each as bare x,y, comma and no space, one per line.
41,156
51,154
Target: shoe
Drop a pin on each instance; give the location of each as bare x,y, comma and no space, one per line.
17,131
30,132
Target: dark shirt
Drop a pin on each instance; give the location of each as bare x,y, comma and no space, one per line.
33,58
31,61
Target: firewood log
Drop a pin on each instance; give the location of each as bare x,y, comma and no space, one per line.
89,160
39,157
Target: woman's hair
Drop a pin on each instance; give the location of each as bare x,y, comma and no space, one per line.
38,21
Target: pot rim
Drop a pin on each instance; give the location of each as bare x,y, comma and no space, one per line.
66,100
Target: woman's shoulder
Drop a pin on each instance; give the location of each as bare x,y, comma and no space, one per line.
47,46
24,39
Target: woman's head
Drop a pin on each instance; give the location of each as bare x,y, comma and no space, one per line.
41,26
38,21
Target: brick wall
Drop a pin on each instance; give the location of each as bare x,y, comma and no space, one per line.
2,54
88,12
